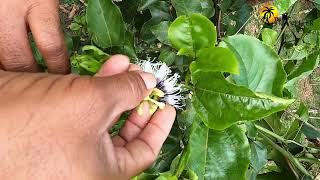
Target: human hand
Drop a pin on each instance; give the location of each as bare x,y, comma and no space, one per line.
56,127
41,17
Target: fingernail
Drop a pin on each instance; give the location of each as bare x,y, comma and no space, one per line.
149,80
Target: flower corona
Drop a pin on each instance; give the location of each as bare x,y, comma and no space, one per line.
167,90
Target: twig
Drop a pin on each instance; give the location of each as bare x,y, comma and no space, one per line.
281,139
281,35
293,169
287,155
316,118
218,18
284,27
310,160
245,24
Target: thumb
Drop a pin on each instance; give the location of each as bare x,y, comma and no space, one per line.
128,89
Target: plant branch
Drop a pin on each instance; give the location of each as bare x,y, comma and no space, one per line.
316,118
293,169
217,18
245,23
310,160
283,29
281,139
276,136
287,154
281,35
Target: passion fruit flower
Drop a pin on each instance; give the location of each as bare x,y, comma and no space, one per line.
167,90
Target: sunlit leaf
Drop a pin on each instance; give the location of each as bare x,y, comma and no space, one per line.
188,7
269,36
261,69
216,59
105,23
192,33
284,5
221,104
303,70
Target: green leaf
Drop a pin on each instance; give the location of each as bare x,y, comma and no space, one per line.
181,162
261,69
144,4
161,31
167,176
218,154
144,176
315,25
128,47
186,52
251,130
90,61
269,36
170,149
284,5
303,70
95,52
287,155
317,4
236,21
271,166
306,67
188,7
146,33
105,23
92,66
69,42
221,104
75,26
129,10
303,112
167,56
186,118
192,175
258,159
37,55
216,59
160,10
192,33
80,19
310,131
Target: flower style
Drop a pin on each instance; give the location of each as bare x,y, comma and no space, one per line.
167,90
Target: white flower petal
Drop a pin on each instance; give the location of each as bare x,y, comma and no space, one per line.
166,81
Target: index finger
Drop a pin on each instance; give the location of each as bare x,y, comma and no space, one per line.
44,22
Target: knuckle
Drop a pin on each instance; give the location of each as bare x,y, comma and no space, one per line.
53,48
83,84
135,84
26,67
13,64
31,4
82,94
96,89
